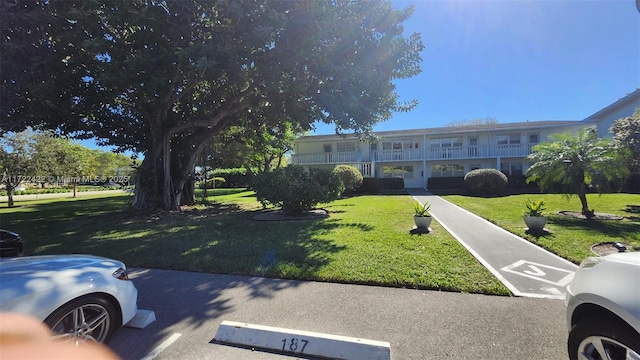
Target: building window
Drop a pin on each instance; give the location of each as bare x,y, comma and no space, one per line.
447,170
508,139
327,148
405,172
534,138
446,142
346,147
511,168
397,145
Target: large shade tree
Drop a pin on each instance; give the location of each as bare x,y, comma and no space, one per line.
257,149
163,77
571,164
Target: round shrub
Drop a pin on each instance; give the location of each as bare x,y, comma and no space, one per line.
486,182
350,176
296,190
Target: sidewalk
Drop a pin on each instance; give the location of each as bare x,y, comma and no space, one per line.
524,268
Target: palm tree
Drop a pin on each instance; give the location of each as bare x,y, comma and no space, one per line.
571,164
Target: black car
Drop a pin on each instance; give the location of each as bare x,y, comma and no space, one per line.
10,244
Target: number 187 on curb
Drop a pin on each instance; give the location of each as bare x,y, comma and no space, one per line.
294,345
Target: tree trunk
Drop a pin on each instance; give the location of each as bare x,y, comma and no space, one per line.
582,195
188,195
167,185
10,195
74,187
148,196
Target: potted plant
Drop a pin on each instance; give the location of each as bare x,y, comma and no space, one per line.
534,216
422,216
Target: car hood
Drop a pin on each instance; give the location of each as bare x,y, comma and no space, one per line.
38,282
33,265
632,257
8,235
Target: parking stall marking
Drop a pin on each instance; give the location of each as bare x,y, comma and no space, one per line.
165,344
540,272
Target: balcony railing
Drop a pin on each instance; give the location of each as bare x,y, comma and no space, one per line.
443,153
398,155
476,152
325,158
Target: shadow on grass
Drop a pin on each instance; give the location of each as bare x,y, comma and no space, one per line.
633,209
539,233
418,231
217,239
609,227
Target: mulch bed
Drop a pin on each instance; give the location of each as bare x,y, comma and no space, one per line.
596,216
605,248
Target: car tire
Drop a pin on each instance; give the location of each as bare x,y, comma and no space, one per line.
85,319
616,337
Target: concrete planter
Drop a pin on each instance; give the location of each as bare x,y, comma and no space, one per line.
535,223
422,222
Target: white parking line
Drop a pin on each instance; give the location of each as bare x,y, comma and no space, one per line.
162,346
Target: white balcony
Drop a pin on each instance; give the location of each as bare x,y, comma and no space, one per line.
325,158
477,152
398,155
442,153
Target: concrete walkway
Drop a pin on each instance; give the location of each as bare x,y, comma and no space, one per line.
524,268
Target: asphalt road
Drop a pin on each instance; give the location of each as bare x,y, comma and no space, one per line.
418,324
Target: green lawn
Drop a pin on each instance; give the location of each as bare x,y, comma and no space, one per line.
365,240
568,237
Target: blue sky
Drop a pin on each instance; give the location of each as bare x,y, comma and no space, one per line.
518,60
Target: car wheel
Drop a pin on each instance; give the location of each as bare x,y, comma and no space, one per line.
86,319
602,339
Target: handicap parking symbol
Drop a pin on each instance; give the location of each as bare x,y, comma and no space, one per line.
545,273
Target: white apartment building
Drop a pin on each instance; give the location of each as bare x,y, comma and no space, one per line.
419,154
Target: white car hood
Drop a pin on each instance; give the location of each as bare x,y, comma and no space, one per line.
36,282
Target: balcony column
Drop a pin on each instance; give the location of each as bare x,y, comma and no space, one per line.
424,161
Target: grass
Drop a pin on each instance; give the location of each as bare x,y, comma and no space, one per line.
568,237
365,240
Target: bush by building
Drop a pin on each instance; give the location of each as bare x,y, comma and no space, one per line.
486,182
350,176
296,190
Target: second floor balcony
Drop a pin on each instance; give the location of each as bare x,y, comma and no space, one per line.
441,153
326,158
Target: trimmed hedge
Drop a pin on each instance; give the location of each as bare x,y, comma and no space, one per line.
376,185
234,178
391,183
633,184
217,181
446,183
369,186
